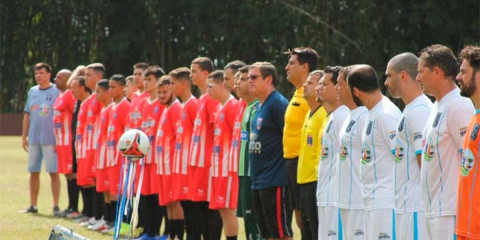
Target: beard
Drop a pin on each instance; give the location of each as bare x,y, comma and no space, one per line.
468,90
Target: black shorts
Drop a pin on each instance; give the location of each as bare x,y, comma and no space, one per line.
294,192
308,205
269,205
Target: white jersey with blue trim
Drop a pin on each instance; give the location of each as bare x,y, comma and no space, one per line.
327,185
408,144
378,144
443,140
348,164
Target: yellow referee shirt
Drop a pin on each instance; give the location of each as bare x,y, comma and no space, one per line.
310,145
294,118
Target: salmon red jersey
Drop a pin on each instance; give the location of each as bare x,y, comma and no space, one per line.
100,137
151,112
236,138
134,118
184,128
62,118
165,140
116,127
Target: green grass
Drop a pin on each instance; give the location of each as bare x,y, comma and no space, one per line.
14,196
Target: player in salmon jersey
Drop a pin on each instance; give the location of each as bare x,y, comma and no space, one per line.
442,139
165,150
150,115
378,143
401,82
102,95
224,193
468,211
350,200
201,151
137,97
231,69
182,88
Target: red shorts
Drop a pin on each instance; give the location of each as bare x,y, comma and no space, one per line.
101,180
146,185
224,192
154,179
91,170
114,178
82,179
165,190
64,156
199,182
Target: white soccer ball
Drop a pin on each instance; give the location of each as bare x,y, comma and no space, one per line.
134,144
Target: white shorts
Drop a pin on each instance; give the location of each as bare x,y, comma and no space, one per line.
353,226
379,224
37,152
410,226
441,228
328,223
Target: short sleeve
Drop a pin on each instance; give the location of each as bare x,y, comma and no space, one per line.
389,129
27,104
415,124
459,116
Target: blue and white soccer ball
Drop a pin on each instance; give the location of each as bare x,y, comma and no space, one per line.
134,144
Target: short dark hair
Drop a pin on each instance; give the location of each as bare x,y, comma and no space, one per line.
181,73
217,76
97,67
119,78
141,65
164,80
335,71
204,63
472,55
442,57
41,65
103,84
267,69
305,55
346,70
156,71
244,69
364,78
82,83
234,65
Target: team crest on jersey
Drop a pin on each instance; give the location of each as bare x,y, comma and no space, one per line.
221,117
244,135
217,131
474,133
401,125
366,155
399,153
328,127
468,161
428,151
184,115
369,127
343,153
437,119
155,110
49,97
259,123
180,130
198,121
463,130
350,125
160,133
309,140
324,153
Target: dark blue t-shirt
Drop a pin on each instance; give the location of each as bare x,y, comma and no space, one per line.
267,165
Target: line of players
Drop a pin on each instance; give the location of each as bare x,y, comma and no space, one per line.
363,165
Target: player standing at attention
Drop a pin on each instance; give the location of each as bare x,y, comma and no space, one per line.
468,209
350,200
327,186
401,83
130,87
182,88
301,62
268,167
378,143
224,194
165,149
231,70
201,151
443,139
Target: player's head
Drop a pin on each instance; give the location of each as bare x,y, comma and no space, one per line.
138,69
343,90
79,88
43,73
61,79
130,87
93,74
401,73
230,70
469,76
116,85
164,90
150,77
241,83
302,60
310,88
199,70
262,77
327,84
215,84
102,91
181,81
362,80
436,64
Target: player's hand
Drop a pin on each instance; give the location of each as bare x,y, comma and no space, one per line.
25,144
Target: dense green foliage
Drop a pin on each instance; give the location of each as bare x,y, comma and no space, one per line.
119,33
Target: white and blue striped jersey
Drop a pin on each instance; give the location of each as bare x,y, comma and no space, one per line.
378,144
327,184
408,144
348,164
443,140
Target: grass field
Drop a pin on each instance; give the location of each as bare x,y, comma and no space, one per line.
14,196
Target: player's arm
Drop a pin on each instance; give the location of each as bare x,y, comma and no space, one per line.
389,127
458,122
25,125
417,120
419,159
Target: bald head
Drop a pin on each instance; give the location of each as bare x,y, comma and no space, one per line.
407,62
61,79
364,78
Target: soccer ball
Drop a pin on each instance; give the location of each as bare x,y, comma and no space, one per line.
134,144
